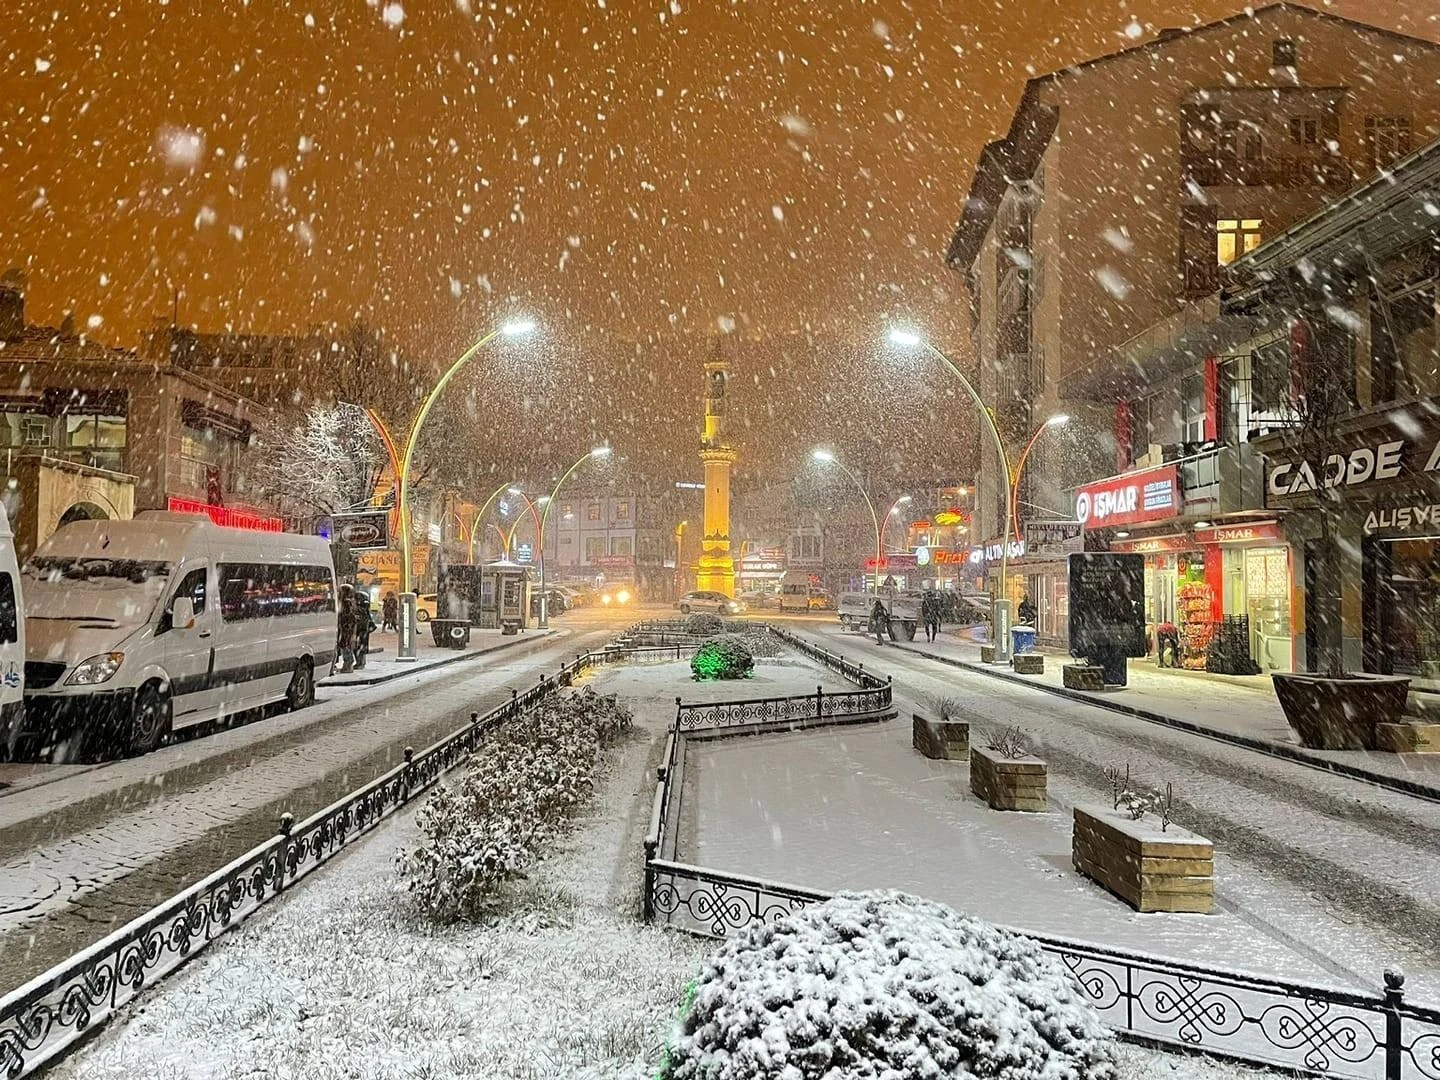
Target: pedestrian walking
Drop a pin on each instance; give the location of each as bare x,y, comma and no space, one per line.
390,613
879,621
930,610
348,629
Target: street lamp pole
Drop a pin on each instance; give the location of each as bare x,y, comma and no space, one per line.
999,606
679,552
480,514
596,453
1054,421
894,507
826,457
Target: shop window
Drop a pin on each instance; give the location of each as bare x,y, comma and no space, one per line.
1409,607
620,545
1235,237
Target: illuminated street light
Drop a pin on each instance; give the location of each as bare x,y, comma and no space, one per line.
510,329
507,488
596,454
999,606
827,458
894,509
1058,420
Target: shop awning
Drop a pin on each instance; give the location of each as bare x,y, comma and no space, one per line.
1169,349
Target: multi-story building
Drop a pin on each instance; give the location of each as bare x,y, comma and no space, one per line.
589,536
89,431
1095,231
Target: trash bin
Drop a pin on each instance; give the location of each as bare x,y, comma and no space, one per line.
450,633
1022,640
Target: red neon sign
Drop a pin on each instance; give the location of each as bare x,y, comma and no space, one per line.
224,515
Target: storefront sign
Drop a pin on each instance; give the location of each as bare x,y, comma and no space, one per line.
1054,537
990,551
1404,519
364,532
1360,466
612,562
1132,499
224,515
1150,545
920,525
953,516
950,558
1238,534
904,561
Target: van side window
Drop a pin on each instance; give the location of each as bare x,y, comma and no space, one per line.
265,590
191,585
9,618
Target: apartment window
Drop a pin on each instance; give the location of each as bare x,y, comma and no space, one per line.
592,513
594,547
1305,130
1388,138
622,511
1192,393
1240,141
1234,237
1282,53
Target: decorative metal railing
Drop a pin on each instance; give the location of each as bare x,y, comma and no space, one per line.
1294,1026
819,707
44,1018
846,669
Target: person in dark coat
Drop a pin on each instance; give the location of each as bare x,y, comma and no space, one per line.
390,613
364,627
930,613
347,634
1027,611
879,621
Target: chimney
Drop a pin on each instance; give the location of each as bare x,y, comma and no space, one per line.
12,304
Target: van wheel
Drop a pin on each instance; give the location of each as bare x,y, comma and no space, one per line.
302,687
684,609
150,721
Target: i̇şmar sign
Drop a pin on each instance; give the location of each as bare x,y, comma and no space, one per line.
1132,499
1107,604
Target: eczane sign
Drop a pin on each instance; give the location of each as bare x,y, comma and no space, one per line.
1132,499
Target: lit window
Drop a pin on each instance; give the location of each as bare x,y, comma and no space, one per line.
1235,237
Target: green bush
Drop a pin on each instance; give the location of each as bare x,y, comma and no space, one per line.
723,657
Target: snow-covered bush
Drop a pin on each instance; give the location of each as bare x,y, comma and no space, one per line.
704,624
872,985
757,639
723,657
530,776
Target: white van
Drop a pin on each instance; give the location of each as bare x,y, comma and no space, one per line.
135,628
12,641
794,591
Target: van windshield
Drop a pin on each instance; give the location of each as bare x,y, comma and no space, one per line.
88,588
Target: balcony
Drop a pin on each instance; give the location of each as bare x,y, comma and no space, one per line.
1218,480
1297,171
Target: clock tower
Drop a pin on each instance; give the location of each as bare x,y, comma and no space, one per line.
715,571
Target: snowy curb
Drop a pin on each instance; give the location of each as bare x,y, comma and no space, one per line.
402,671
1263,746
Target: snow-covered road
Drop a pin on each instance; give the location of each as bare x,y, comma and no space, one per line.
85,853
1328,869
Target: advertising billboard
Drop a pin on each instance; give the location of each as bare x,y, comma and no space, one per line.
368,531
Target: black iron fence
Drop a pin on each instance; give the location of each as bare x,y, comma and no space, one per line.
43,1019
1269,1022
847,669
819,707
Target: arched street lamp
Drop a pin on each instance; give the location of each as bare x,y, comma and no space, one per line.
509,329
894,509
1059,420
999,606
825,457
596,454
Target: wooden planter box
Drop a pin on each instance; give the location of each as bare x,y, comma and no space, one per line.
1408,738
1029,664
1008,783
941,740
1150,870
1340,714
1083,677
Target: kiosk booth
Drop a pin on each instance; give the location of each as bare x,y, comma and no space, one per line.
489,597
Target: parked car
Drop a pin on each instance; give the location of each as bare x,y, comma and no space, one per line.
425,607
12,642
757,600
137,628
707,600
559,604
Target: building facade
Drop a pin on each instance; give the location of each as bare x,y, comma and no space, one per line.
89,431
1093,243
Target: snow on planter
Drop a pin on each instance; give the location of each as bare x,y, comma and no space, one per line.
885,985
723,657
704,624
